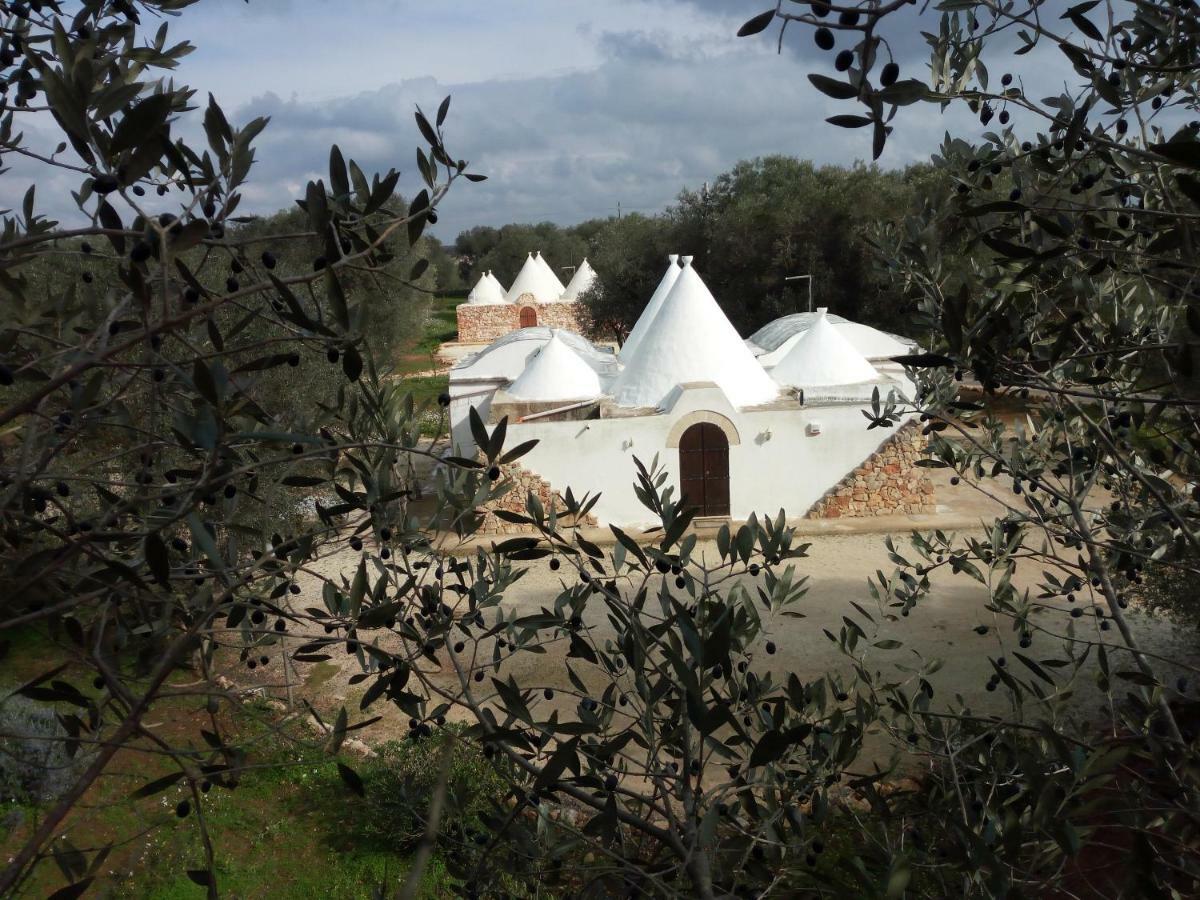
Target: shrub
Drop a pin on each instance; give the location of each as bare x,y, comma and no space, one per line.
401,781
35,765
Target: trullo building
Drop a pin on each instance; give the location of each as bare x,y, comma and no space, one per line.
739,426
536,297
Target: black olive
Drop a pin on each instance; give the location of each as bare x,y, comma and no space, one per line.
104,184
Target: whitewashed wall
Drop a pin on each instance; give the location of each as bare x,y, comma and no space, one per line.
777,464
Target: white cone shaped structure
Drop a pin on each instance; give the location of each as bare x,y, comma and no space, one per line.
487,292
537,258
496,281
691,340
822,357
535,278
556,373
642,326
584,278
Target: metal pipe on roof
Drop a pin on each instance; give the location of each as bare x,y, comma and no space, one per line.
557,409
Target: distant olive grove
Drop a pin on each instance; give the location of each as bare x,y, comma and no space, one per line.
752,228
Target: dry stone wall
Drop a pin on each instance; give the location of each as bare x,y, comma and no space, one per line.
889,482
524,483
482,324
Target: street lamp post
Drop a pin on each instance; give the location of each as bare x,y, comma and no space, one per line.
807,278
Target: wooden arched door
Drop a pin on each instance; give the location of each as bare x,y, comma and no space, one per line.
528,316
704,469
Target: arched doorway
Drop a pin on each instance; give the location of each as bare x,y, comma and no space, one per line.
704,469
528,316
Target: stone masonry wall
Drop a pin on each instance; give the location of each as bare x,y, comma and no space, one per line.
524,483
888,482
482,324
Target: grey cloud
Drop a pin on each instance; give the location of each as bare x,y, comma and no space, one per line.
653,118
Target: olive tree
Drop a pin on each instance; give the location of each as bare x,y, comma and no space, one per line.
142,423
1079,302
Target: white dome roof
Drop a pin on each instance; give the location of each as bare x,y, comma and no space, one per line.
642,326
535,278
691,340
487,292
556,373
545,266
496,281
584,278
823,357
772,342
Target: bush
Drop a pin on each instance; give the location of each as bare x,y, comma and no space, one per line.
35,766
401,781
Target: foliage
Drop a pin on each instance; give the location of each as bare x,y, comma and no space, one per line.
152,414
1079,301
401,783
676,762
37,762
757,225
503,250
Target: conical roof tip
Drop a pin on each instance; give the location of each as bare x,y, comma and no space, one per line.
642,326
487,292
546,267
556,372
584,278
822,357
690,339
535,278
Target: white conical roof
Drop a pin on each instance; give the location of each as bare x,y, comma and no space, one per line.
823,357
556,373
487,291
496,281
535,278
583,279
691,340
642,326
537,258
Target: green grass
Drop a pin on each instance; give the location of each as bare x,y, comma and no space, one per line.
441,325
282,832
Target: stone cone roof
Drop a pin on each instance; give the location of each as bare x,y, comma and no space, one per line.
584,278
822,357
487,292
642,325
552,276
691,340
556,373
536,279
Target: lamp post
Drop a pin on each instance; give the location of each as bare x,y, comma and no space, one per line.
800,278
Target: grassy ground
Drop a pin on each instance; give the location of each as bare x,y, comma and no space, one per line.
419,358
287,830
441,325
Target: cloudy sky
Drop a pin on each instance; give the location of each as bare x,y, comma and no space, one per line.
569,106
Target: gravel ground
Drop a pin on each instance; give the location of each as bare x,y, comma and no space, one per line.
943,626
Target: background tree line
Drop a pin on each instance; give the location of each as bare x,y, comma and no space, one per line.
764,220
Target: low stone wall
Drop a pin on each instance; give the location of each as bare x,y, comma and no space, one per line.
482,324
888,482
524,484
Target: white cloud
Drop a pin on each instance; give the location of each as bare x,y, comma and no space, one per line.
568,106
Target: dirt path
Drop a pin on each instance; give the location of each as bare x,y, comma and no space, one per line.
943,626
